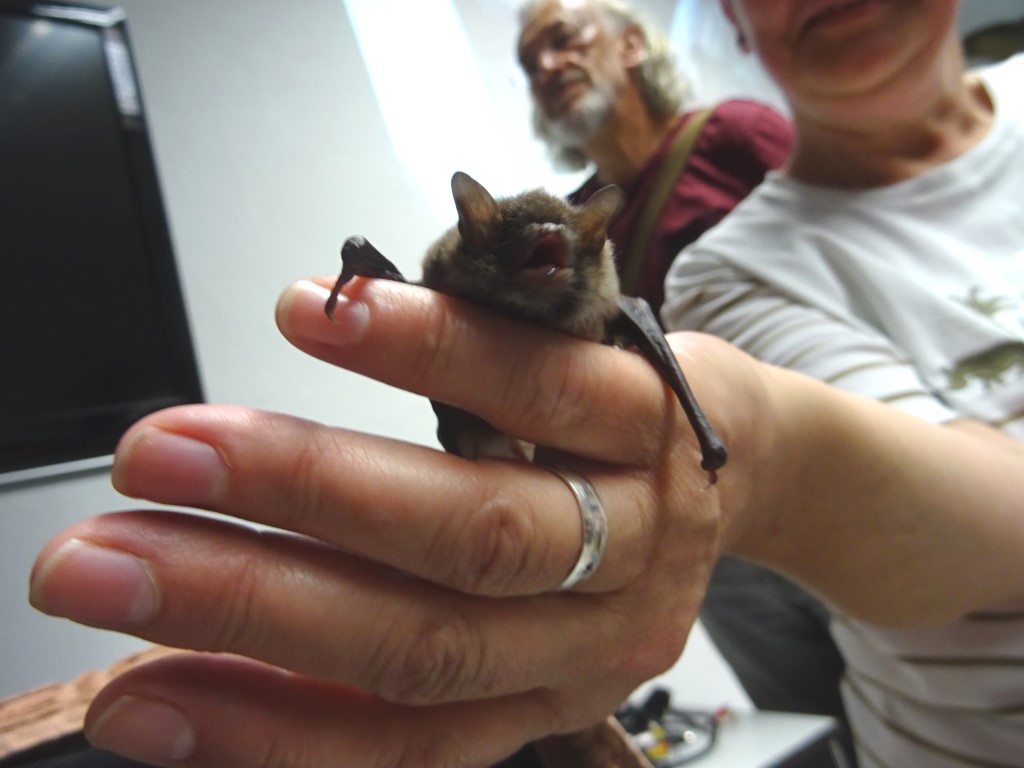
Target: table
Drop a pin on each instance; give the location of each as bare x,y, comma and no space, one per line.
772,740
747,738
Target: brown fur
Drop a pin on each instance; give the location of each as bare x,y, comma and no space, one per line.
478,258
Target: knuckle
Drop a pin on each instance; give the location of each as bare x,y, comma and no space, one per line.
303,487
499,544
563,402
287,473
442,339
311,472
237,623
652,659
435,666
657,649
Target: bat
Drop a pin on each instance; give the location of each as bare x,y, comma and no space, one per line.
539,258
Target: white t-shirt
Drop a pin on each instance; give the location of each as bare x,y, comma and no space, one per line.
912,294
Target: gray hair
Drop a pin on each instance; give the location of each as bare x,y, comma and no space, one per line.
662,86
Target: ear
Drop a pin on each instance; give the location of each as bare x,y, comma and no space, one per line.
479,215
730,14
597,213
634,47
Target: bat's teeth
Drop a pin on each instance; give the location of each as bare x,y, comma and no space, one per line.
551,272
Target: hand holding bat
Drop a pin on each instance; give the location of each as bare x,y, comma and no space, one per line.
412,615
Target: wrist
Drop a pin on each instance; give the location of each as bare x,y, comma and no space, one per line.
753,409
781,435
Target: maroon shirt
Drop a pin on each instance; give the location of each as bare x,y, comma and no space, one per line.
739,144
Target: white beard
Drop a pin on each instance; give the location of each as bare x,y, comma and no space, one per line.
575,128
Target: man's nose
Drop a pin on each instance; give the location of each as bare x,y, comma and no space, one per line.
550,60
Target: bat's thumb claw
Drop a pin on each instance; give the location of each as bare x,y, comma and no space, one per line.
332,302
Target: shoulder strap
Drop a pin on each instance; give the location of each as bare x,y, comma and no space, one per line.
673,164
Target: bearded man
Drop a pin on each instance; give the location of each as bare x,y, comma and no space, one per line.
606,93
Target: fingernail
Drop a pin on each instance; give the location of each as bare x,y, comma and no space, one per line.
169,468
94,585
300,311
148,731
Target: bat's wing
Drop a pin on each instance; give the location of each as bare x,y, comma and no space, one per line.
360,258
637,324
450,423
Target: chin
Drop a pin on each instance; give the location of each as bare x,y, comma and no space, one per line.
912,40
579,123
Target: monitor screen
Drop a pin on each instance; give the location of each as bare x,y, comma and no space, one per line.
93,327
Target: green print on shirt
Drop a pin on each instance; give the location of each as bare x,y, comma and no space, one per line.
990,307
988,367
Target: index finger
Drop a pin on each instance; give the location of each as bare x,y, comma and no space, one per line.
536,384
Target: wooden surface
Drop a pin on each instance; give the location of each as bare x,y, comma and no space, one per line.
57,710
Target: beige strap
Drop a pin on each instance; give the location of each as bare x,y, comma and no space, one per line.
672,166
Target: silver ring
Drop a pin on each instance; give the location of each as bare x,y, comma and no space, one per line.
595,526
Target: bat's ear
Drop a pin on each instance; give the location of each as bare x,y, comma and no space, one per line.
599,210
479,215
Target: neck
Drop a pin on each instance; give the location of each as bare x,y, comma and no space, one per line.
880,141
627,140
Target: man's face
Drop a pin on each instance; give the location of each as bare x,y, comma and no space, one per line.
571,56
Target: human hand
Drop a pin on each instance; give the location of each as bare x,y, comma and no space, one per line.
410,614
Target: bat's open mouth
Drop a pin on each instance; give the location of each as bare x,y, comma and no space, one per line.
545,259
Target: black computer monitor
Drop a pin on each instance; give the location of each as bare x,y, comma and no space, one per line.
93,329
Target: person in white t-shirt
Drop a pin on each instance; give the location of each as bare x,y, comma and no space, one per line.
887,259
